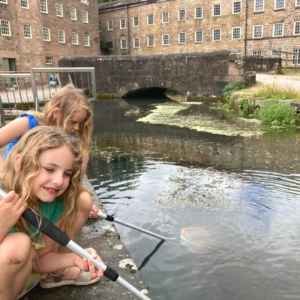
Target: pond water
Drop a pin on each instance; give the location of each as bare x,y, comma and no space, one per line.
237,198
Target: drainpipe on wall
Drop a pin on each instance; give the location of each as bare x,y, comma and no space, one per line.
246,27
128,31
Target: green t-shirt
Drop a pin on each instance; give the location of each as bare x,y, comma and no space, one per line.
51,211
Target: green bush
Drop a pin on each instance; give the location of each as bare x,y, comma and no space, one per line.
237,86
281,113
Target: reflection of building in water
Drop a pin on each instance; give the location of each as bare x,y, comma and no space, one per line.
219,151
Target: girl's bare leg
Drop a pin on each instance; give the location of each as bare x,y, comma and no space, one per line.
16,262
84,205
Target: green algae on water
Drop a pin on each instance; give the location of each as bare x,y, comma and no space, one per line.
169,114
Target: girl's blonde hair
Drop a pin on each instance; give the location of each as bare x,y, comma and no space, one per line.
69,100
20,179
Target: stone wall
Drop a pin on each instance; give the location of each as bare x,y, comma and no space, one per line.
202,74
261,63
32,52
117,10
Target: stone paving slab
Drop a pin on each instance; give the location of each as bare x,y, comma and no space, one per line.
104,237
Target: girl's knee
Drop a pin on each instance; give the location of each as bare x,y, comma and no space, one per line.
85,202
15,249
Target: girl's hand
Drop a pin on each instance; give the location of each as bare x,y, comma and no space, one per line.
11,209
88,266
94,212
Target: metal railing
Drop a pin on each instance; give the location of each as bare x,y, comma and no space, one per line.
10,93
76,80
19,92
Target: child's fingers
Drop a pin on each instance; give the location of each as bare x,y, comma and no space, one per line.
9,198
95,209
92,269
22,207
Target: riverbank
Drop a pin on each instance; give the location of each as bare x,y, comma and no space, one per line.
104,237
289,84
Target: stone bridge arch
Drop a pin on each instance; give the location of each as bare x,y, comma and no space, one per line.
200,74
153,83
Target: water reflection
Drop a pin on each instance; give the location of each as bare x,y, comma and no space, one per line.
256,242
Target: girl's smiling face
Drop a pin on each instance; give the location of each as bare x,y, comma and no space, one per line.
54,176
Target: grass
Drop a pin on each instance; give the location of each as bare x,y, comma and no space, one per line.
290,72
274,91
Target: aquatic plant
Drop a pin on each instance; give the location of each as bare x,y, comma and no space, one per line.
277,113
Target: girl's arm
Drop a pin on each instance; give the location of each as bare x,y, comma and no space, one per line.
10,132
11,209
85,161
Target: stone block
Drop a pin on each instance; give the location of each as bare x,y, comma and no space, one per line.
235,71
249,78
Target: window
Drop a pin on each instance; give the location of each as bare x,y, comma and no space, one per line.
136,42
217,10
275,53
150,20
85,16
73,13
48,60
165,39
43,6
61,36
278,29
24,3
297,28
46,34
100,26
259,5
165,17
257,31
84,1
279,4
86,40
74,38
59,10
150,41
198,36
256,53
135,21
217,35
181,38
110,45
297,3
237,7
5,28
27,31
3,1
198,12
123,23
181,15
296,56
123,44
110,25
236,33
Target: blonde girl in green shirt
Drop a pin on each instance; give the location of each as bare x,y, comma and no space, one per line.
42,172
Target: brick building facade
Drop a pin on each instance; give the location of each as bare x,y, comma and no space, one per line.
36,33
174,26
273,25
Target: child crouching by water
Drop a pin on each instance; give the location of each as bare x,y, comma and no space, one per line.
42,172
